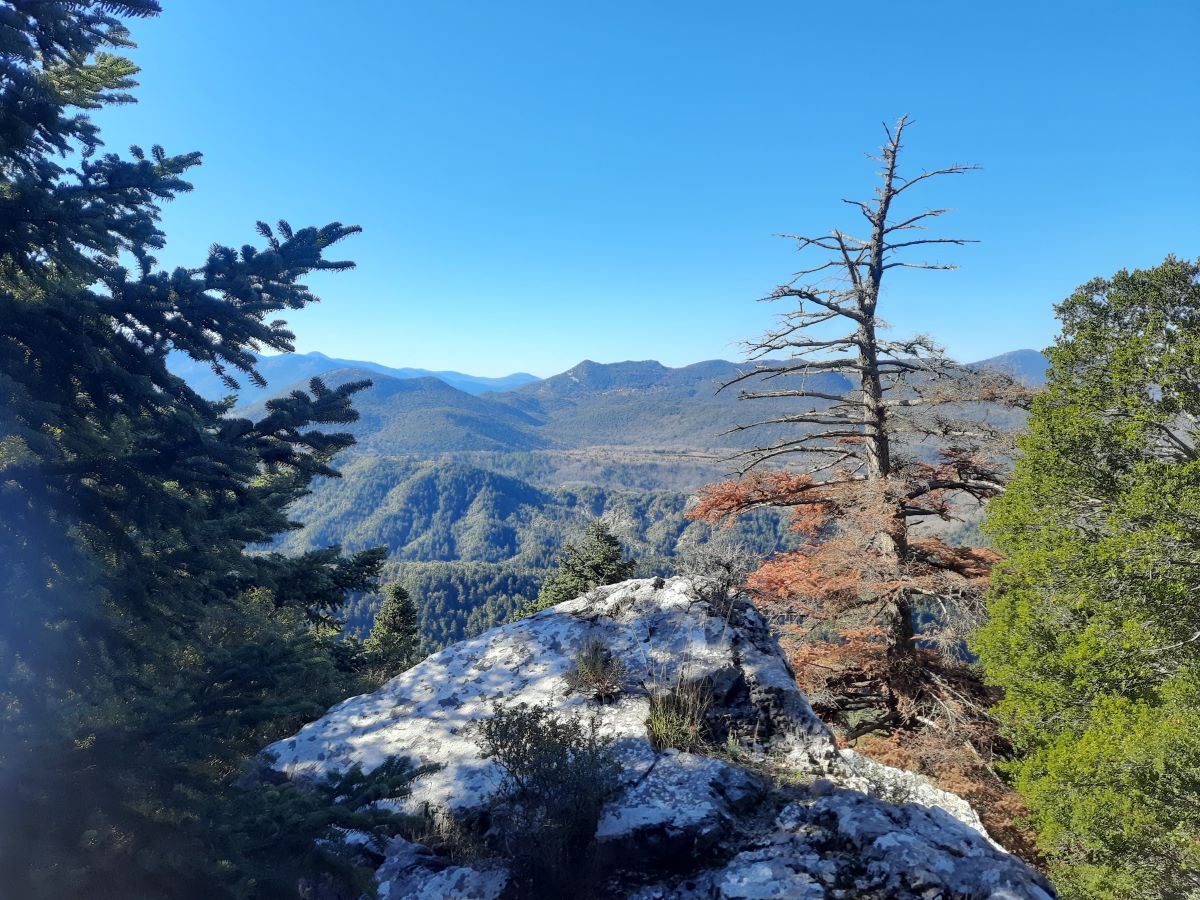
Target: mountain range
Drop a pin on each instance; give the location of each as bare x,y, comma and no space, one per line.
633,405
284,369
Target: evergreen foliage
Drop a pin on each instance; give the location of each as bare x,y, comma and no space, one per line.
145,652
288,834
395,641
1094,632
558,774
597,559
456,599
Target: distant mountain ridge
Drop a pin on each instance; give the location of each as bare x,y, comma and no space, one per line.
284,370
423,416
648,404
1025,365
626,404
590,405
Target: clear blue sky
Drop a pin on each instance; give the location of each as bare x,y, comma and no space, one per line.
543,182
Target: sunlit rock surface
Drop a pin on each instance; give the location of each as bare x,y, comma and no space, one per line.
733,831
846,844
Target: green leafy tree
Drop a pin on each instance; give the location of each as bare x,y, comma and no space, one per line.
597,559
145,651
394,644
1094,629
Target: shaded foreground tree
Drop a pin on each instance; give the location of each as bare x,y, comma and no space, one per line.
1094,632
145,653
886,441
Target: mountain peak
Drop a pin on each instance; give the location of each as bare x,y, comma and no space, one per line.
627,374
1025,365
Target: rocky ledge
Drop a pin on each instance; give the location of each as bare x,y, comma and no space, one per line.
775,810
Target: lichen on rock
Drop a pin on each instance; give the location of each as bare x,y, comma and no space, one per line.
711,821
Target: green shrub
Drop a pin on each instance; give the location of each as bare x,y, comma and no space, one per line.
1093,613
558,774
596,672
279,836
677,715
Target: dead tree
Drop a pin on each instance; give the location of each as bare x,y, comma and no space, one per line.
892,439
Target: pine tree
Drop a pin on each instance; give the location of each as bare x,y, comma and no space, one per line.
394,644
144,652
1094,631
597,559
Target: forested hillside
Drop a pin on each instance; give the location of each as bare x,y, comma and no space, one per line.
457,599
490,539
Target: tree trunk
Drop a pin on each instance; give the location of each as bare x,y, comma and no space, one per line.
900,633
878,451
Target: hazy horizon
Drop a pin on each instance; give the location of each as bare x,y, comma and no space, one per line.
604,362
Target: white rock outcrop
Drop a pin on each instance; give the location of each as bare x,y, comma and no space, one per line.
729,831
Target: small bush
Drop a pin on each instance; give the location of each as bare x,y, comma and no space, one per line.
596,672
559,773
724,564
677,716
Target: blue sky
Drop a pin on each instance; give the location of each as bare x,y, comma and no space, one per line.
543,182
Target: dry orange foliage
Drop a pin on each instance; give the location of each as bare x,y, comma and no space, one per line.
846,600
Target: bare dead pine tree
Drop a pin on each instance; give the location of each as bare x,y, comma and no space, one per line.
889,432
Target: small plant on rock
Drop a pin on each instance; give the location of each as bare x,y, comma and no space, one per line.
558,774
723,565
677,715
596,672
